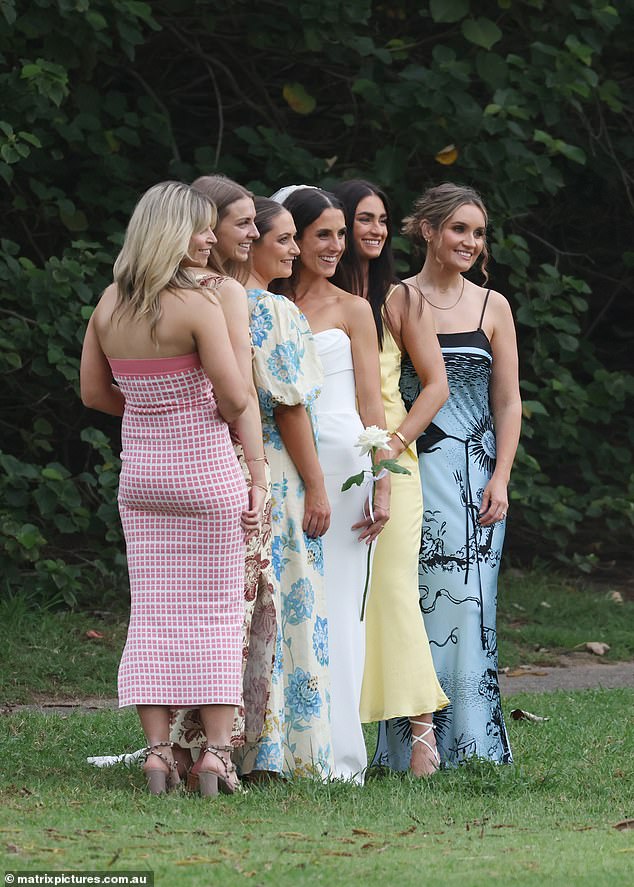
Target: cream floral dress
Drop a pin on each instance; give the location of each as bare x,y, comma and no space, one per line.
296,737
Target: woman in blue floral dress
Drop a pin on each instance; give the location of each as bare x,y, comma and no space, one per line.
288,376
465,459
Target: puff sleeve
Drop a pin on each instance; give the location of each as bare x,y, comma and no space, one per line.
286,368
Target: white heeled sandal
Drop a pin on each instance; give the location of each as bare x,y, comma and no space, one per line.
421,738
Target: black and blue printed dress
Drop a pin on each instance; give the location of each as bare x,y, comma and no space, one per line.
459,561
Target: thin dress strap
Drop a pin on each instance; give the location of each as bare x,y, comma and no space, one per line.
391,290
484,308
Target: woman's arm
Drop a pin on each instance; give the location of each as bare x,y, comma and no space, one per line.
506,406
367,374
297,434
418,338
213,344
95,377
248,427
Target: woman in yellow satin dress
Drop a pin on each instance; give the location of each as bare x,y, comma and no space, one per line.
399,679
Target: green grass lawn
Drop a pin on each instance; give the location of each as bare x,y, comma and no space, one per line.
49,654
542,617
548,819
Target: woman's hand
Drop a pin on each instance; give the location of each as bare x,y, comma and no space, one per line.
251,519
316,510
370,529
495,502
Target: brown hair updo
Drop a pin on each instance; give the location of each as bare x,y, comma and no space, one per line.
436,205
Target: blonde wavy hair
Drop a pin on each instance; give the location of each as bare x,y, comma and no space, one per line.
437,205
156,241
223,191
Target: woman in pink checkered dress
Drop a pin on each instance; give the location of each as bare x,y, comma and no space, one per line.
182,495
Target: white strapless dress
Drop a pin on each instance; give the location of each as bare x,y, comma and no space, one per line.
345,558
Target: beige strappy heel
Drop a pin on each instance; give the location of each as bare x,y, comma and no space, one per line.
159,781
421,738
210,781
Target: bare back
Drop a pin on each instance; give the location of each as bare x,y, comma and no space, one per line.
122,336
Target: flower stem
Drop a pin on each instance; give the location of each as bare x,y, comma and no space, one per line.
367,581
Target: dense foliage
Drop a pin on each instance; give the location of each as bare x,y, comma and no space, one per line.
528,100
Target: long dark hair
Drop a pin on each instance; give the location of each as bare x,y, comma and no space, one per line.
381,273
305,205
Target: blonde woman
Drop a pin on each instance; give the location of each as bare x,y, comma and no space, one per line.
182,494
225,272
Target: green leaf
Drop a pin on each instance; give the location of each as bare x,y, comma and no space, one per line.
29,536
448,10
52,474
533,407
481,31
390,465
355,479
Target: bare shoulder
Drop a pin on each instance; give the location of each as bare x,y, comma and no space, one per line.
351,304
105,307
227,287
400,295
497,304
190,298
108,298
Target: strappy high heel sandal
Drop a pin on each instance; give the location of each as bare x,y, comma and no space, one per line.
160,781
210,781
421,738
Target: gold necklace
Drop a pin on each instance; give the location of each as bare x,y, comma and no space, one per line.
440,307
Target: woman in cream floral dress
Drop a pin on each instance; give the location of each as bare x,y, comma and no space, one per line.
288,376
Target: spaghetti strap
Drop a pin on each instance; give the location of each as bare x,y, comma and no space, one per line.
391,290
484,308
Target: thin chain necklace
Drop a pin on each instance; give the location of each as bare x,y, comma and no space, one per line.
440,307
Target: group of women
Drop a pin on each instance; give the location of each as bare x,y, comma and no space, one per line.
247,342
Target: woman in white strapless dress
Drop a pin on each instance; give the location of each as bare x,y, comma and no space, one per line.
345,335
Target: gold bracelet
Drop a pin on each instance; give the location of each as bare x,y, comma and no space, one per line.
259,459
401,438
261,486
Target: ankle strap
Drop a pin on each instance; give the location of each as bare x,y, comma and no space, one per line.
423,723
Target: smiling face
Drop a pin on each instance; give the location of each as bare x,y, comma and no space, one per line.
199,249
236,231
369,229
323,242
461,239
275,251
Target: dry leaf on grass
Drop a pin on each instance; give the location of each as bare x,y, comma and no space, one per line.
196,860
596,647
624,825
93,635
518,714
524,670
364,832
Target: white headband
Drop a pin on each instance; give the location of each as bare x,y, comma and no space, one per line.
282,193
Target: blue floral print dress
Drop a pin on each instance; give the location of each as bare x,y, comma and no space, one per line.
297,737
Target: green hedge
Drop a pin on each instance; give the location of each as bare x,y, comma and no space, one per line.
104,98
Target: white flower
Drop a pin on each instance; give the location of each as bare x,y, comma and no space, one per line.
372,438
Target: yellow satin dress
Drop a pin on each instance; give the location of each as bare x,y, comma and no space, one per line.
399,678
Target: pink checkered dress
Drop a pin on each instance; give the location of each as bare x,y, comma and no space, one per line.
181,494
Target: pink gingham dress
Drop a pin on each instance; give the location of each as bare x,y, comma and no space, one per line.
181,495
